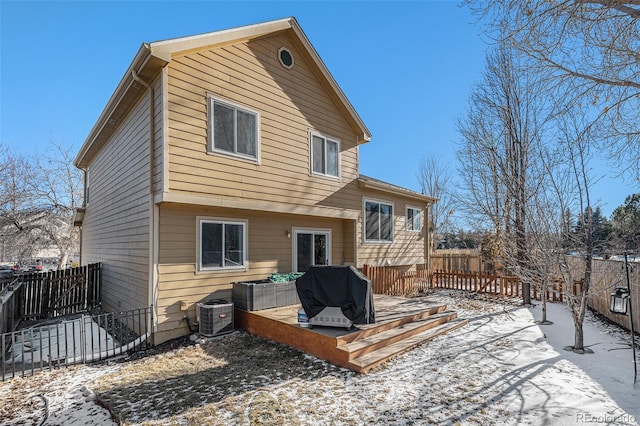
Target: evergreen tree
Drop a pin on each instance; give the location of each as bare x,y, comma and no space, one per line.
625,222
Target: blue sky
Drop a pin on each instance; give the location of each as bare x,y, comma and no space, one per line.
407,68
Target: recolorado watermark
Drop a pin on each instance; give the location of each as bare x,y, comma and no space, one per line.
605,418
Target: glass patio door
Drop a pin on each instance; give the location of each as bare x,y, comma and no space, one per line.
312,247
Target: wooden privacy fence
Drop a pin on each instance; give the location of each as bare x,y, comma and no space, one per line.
48,295
468,260
9,310
394,282
63,292
606,276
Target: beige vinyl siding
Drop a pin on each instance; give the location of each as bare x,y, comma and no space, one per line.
290,104
269,251
159,133
407,247
115,230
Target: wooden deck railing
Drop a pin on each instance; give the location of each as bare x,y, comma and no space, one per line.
478,282
394,282
606,276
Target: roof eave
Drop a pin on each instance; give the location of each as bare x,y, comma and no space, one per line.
376,185
126,93
364,135
166,49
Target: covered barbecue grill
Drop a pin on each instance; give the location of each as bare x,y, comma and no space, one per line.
337,286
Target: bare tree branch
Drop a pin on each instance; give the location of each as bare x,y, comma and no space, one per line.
590,49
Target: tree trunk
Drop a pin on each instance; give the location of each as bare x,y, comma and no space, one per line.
578,345
543,298
63,261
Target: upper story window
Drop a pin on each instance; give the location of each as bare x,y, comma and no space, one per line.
378,221
413,219
221,244
325,155
232,129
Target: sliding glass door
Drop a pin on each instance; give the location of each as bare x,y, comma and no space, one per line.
311,247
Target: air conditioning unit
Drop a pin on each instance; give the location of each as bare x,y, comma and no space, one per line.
215,317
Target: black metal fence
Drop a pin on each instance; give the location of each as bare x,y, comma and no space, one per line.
78,338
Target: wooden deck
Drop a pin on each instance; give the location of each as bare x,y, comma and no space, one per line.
401,324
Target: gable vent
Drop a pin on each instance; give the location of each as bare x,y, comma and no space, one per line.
285,57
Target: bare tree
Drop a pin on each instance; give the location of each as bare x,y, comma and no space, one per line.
498,133
15,209
548,219
575,150
434,178
38,203
589,53
57,189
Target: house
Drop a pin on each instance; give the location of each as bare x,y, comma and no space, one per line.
226,157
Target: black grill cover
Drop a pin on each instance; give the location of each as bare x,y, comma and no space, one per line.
342,286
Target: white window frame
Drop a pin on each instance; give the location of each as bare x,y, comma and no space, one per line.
364,220
211,101
313,231
410,229
222,221
326,138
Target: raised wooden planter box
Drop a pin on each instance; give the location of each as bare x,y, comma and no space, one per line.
286,294
254,295
264,294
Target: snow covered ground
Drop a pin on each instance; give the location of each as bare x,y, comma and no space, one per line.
69,340
501,368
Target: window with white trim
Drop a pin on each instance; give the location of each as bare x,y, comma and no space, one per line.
222,244
325,155
413,219
378,221
232,129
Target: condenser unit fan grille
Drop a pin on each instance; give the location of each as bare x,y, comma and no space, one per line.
215,317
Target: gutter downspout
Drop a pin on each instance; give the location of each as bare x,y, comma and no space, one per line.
153,276
84,204
427,238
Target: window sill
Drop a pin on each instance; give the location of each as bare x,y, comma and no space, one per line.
221,270
240,157
323,176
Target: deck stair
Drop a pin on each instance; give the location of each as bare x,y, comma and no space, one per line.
366,353
401,325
